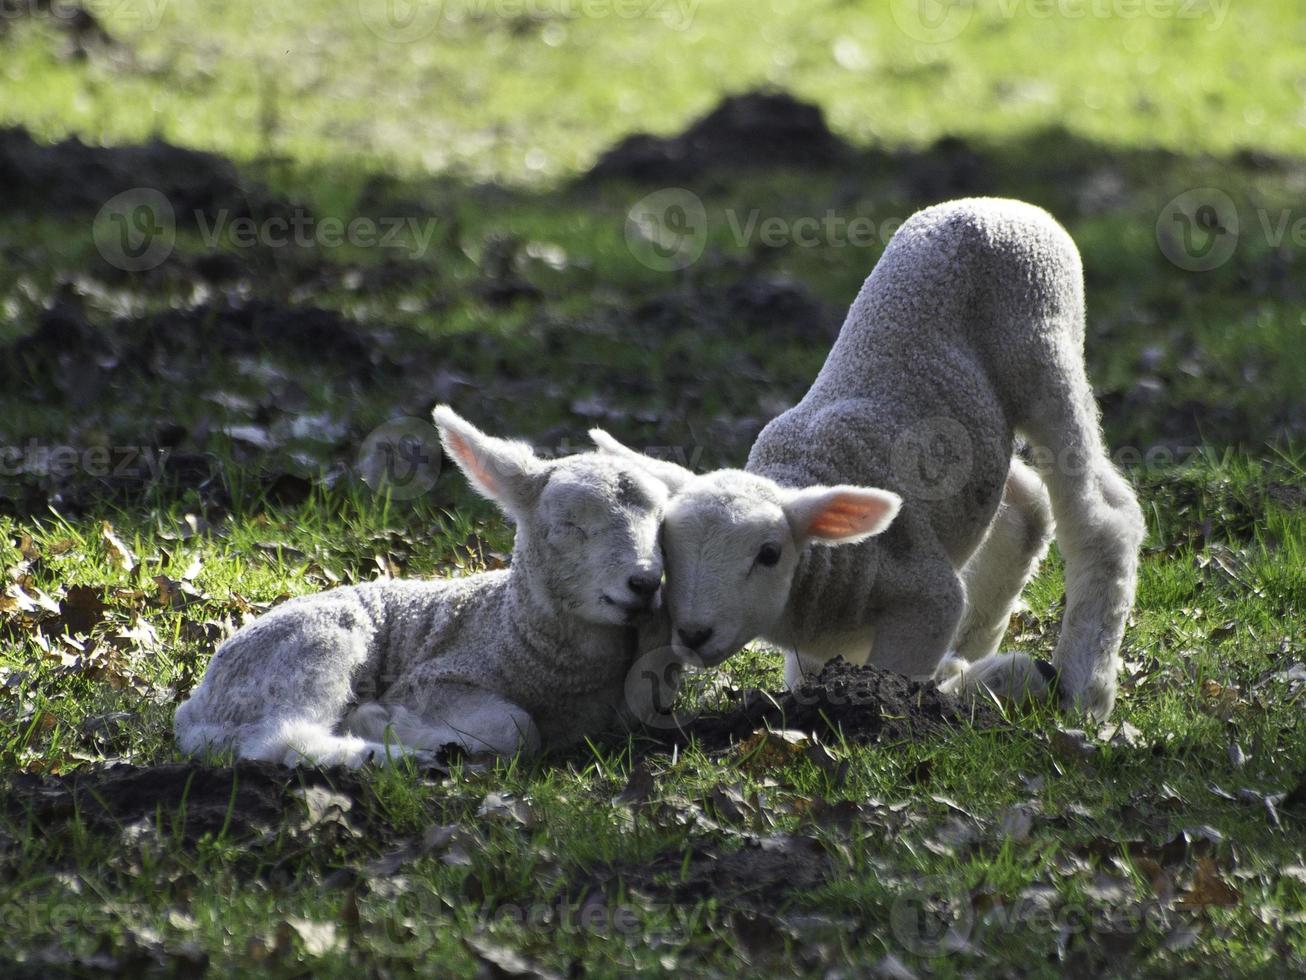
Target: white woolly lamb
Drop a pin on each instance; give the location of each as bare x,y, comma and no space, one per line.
520,659
969,329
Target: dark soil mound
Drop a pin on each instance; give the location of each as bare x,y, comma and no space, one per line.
863,704
743,131
70,177
189,799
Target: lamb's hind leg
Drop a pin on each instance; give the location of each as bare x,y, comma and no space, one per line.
277,690
305,741
479,721
1099,529
994,576
1006,559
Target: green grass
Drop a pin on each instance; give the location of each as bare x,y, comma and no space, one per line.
1102,119
1214,625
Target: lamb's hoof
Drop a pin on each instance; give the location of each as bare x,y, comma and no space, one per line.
1013,678
1097,700
397,755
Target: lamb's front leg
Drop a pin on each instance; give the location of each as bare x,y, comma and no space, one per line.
919,605
913,636
436,713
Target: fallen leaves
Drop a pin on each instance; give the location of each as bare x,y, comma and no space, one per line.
639,786
81,609
452,844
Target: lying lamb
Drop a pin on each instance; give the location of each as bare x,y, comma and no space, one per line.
970,328
525,658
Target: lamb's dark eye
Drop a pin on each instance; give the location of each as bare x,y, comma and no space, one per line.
769,555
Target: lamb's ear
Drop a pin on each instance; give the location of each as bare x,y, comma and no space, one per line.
507,472
840,515
672,474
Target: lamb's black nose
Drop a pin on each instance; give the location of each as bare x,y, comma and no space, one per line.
695,638
645,584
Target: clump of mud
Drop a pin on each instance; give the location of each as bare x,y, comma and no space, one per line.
743,131
861,704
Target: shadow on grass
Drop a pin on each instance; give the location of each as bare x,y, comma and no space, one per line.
539,313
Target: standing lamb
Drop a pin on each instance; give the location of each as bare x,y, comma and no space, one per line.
520,659
969,329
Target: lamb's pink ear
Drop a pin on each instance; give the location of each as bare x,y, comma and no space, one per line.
507,472
672,474
840,515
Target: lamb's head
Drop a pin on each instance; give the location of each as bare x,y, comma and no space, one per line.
732,540
587,525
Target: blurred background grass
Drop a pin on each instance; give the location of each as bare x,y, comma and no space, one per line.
529,92
479,121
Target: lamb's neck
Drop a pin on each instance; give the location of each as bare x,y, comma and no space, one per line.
536,621
831,593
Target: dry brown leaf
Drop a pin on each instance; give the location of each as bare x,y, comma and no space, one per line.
27,547
119,553
81,609
638,789
766,750
1208,888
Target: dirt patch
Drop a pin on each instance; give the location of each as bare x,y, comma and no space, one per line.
1286,495
763,130
743,131
759,876
69,356
188,799
773,306
863,704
